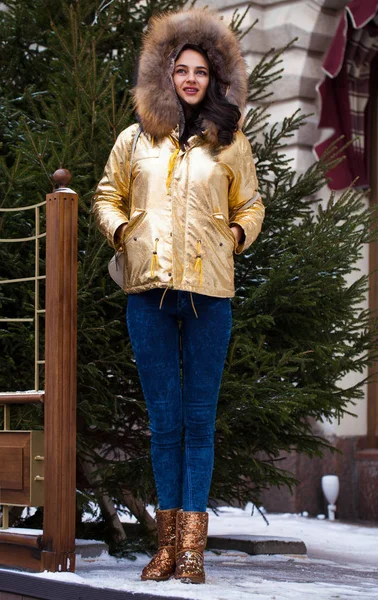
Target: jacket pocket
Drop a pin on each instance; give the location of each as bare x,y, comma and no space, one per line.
136,219
221,224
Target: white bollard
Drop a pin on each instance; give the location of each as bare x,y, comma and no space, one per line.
330,487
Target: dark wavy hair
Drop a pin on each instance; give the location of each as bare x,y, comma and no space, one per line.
214,107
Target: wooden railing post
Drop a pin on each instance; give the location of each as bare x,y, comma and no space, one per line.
60,377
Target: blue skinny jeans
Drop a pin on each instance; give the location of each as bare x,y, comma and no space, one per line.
180,380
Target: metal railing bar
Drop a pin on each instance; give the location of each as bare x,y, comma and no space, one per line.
36,299
5,320
40,362
41,311
2,281
28,239
19,208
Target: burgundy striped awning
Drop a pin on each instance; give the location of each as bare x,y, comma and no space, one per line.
344,92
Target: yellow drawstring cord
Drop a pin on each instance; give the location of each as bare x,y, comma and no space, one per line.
154,259
198,263
171,165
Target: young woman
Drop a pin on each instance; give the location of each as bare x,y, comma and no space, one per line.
192,203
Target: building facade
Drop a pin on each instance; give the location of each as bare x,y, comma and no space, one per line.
314,24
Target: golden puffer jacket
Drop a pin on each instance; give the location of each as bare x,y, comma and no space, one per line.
182,204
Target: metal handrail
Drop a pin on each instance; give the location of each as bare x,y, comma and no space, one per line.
21,279
20,208
37,278
21,320
28,239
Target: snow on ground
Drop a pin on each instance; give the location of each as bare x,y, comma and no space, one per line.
355,544
229,576
342,564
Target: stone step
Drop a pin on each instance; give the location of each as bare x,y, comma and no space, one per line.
257,544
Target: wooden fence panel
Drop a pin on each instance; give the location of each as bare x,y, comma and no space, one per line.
55,550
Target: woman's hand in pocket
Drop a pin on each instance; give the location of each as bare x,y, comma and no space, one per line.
119,235
238,232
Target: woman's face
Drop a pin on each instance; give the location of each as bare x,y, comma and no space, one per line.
191,76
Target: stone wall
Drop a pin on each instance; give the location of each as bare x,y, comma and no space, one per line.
313,23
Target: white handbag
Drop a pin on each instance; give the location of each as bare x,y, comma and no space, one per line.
116,265
116,268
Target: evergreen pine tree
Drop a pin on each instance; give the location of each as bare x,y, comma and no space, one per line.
298,328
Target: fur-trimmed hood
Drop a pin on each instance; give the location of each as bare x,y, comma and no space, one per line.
155,98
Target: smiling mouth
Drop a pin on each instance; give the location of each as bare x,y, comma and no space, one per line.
190,90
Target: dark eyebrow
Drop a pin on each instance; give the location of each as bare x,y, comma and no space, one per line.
197,67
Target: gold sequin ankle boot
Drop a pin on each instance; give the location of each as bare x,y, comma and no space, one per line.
191,540
162,566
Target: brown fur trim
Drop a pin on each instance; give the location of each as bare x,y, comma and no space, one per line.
155,98
211,132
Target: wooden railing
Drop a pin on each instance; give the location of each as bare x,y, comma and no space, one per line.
55,549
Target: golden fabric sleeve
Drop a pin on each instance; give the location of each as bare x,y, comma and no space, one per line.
110,200
245,205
